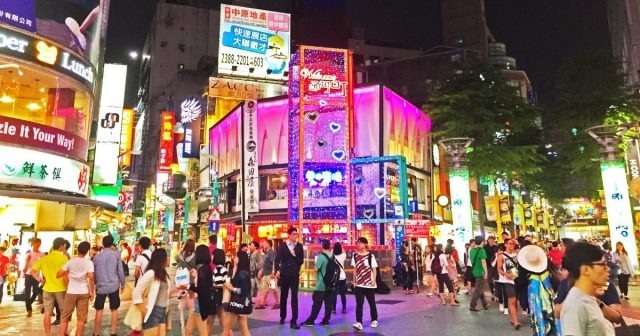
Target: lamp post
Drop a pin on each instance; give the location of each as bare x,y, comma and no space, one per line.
616,188
456,148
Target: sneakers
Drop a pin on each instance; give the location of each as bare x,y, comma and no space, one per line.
506,311
374,324
500,307
308,323
357,326
325,323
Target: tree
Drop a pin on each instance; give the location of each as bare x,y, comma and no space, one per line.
475,101
591,91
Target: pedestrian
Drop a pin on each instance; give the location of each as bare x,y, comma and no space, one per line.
341,289
54,288
555,254
321,294
432,279
152,294
202,288
507,268
289,258
625,269
110,282
31,286
269,283
256,259
408,273
491,249
364,281
608,294
80,289
4,266
442,265
187,257
125,254
533,263
469,280
478,257
143,259
581,313
220,277
240,283
417,262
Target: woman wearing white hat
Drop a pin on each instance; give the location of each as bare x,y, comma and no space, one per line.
533,259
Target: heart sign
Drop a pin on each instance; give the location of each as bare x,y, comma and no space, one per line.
358,180
338,154
321,143
334,127
312,116
379,192
368,213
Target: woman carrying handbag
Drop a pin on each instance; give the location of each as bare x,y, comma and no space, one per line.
151,295
201,289
239,303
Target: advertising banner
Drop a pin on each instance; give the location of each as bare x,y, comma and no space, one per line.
126,137
105,170
460,205
254,43
32,49
165,159
243,89
491,208
80,26
137,135
35,168
191,116
616,193
29,134
250,157
398,230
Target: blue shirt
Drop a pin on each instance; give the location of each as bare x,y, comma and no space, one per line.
108,273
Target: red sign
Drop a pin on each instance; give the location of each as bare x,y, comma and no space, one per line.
416,231
41,137
322,82
231,232
165,157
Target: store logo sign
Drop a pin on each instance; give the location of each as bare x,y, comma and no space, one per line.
12,43
77,67
46,54
190,109
110,120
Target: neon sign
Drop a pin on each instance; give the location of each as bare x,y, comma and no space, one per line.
318,81
323,178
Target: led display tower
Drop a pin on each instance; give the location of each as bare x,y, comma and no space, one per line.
320,138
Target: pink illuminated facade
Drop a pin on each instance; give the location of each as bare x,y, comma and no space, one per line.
384,124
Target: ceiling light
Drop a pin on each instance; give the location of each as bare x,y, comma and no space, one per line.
33,106
6,99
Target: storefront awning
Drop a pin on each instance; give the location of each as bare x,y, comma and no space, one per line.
271,218
57,198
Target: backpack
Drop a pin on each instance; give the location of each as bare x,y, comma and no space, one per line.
331,275
436,267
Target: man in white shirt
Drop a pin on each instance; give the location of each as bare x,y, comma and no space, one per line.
143,258
80,290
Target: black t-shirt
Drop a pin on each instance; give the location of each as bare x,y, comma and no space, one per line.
491,253
609,297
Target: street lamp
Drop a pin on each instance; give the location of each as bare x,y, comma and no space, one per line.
133,54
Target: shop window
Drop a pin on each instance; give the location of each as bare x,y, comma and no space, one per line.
43,97
275,187
232,192
421,190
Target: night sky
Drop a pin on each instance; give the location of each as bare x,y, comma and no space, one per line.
539,34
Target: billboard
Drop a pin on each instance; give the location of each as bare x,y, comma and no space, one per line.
79,26
254,43
165,159
126,137
105,169
243,89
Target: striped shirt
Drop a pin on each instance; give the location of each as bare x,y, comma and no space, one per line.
220,276
364,276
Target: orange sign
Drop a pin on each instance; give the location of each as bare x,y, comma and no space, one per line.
126,137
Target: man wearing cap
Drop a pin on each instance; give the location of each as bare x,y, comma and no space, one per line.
321,293
478,258
54,288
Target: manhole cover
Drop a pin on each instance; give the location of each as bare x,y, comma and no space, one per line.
355,333
389,302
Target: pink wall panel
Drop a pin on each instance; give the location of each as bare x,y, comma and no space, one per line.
224,143
273,132
366,105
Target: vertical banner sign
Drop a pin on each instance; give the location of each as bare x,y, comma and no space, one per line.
491,208
633,169
614,179
190,117
398,230
250,157
460,206
126,137
167,122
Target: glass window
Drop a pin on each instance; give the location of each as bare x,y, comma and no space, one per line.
44,97
421,190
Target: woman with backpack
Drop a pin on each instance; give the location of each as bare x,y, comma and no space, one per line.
340,256
201,290
439,267
220,278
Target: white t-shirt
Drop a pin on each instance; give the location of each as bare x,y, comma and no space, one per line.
341,258
79,269
142,261
444,263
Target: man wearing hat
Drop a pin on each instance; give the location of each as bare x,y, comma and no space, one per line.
478,258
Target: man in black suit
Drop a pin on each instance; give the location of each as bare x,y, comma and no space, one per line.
288,261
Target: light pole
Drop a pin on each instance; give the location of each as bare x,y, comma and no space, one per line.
616,188
456,148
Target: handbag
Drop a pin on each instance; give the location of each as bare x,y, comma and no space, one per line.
239,304
627,330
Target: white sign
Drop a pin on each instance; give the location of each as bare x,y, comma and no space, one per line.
254,43
190,109
109,124
460,206
19,166
250,157
616,191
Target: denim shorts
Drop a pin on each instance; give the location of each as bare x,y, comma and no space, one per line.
158,316
196,306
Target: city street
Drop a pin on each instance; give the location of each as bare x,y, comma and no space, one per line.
399,315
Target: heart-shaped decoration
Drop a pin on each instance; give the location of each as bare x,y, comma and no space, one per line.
321,143
368,213
334,127
379,192
338,154
358,180
312,116
323,103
